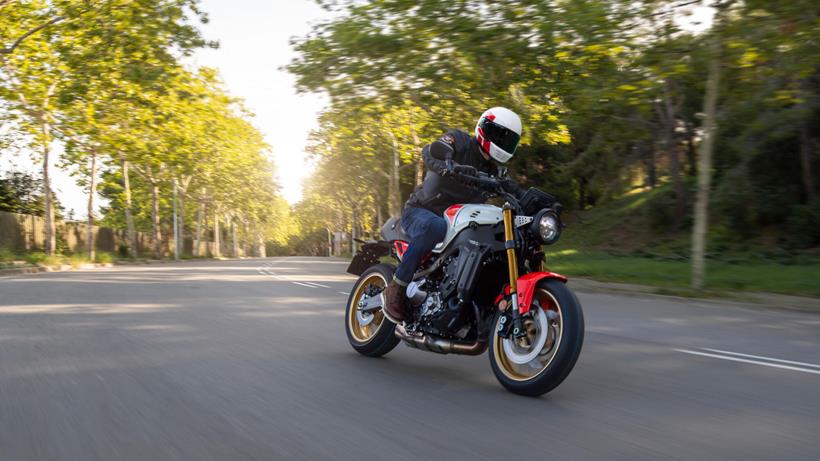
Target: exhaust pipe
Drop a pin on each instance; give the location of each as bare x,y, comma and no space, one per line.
440,345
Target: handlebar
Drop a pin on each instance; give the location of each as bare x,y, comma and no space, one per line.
485,183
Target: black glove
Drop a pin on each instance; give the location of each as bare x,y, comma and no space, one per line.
466,169
511,187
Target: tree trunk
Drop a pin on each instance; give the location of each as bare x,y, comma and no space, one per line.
217,239
51,238
582,193
200,217
234,241
691,158
419,159
92,192
353,231
805,159
704,179
246,243
129,215
394,198
155,224
260,242
651,170
668,119
379,217
175,222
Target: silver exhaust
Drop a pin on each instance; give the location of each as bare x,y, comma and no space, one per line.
440,345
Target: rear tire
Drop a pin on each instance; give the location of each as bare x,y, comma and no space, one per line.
555,365
371,336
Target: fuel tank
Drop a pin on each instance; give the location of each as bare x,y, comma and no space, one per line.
459,217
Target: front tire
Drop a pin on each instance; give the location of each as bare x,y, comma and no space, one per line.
539,362
370,334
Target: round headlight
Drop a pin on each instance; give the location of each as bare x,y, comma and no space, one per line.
549,227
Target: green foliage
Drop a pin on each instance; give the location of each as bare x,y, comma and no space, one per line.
77,260
35,257
661,212
804,225
103,257
736,200
610,93
20,193
106,78
7,255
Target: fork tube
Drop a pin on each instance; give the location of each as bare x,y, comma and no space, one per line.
512,261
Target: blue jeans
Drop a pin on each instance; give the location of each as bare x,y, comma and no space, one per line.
425,229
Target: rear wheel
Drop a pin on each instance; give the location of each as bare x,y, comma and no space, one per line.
368,330
539,361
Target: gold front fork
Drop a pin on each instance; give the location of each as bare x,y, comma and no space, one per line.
512,263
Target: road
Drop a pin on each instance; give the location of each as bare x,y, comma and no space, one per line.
249,360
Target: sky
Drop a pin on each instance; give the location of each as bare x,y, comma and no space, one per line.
254,44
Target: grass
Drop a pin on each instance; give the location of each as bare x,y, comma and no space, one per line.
674,275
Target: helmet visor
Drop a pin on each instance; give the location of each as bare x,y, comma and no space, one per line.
502,137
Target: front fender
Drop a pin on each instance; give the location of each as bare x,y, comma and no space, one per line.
526,287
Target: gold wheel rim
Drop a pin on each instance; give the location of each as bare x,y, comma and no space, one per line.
542,361
363,334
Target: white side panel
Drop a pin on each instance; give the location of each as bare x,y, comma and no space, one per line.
478,213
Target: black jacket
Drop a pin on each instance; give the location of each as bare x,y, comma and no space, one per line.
438,192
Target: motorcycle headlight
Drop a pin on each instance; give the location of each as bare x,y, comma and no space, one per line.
547,225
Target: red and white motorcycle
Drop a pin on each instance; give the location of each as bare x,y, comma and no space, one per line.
483,286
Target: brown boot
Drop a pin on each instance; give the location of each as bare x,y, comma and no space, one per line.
395,298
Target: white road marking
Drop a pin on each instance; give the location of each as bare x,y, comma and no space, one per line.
770,359
267,270
754,362
304,284
317,284
344,293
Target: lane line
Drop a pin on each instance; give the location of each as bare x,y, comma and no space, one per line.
317,284
344,293
754,362
811,365
304,284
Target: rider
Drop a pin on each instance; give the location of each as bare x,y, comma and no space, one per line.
496,136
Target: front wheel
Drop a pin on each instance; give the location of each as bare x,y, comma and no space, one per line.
368,330
539,361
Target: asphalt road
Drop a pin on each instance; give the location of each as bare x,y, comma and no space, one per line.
249,360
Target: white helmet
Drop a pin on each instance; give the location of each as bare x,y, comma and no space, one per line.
498,132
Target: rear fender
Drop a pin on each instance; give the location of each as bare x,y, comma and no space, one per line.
526,287
368,255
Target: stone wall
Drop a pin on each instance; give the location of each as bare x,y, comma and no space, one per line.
21,233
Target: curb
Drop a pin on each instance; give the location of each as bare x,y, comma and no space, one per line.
22,270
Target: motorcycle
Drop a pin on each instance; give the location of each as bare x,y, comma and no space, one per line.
482,287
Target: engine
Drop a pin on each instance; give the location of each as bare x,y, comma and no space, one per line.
439,310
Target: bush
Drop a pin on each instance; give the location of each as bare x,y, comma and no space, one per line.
736,200
660,211
804,225
7,255
77,260
35,257
104,257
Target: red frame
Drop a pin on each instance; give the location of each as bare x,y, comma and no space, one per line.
526,287
401,247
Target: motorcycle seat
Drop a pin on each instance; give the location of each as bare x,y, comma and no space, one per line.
392,230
